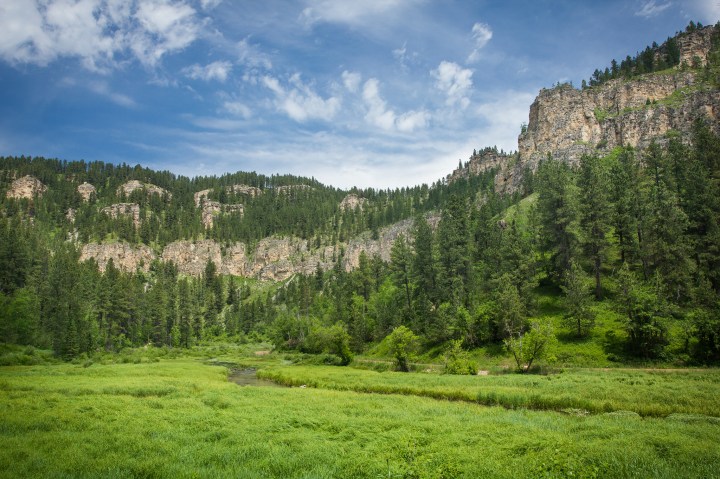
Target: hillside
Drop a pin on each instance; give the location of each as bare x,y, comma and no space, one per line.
567,122
602,230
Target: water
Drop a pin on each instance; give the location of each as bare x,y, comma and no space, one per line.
248,377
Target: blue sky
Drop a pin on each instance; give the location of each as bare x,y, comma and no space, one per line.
368,93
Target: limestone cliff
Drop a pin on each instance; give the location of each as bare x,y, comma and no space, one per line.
86,190
117,210
352,201
125,257
567,123
273,259
26,187
485,160
149,188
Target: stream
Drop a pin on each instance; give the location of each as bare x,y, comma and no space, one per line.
248,377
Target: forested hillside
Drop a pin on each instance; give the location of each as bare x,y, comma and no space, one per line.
621,250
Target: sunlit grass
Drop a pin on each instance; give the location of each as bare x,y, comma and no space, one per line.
648,393
181,418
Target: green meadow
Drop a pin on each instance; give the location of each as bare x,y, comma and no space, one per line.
145,416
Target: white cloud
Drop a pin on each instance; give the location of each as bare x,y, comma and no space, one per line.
502,118
237,108
651,8
349,12
413,120
380,116
377,113
101,88
99,33
214,71
209,4
300,102
251,56
481,34
455,82
351,81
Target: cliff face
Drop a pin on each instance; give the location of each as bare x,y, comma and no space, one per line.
150,189
117,210
86,190
274,259
125,257
567,123
26,187
352,201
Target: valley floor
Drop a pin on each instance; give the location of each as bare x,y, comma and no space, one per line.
181,417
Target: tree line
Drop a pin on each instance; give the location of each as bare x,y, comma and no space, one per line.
634,231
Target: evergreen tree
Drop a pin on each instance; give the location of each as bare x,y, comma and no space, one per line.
594,212
579,315
558,216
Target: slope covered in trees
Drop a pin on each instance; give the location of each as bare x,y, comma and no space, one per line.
631,238
621,250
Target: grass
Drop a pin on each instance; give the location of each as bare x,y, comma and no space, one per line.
646,393
181,418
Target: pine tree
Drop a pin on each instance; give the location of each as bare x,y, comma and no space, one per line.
578,315
454,252
594,212
558,216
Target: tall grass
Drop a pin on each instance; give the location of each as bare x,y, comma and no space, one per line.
647,393
181,418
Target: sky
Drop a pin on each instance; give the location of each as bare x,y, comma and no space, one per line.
366,93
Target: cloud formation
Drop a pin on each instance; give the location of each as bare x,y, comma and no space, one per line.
348,11
481,34
386,119
651,9
214,71
99,33
455,82
300,102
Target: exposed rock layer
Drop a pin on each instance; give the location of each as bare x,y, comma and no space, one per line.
118,210
26,187
132,185
86,190
274,258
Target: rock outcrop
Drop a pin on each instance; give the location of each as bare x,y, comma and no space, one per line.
210,209
485,160
26,187
352,201
286,190
118,210
191,257
274,258
250,191
567,123
695,46
126,257
149,188
86,190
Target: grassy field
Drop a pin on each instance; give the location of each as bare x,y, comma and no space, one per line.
647,393
182,418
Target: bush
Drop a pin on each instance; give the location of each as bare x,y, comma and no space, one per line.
457,360
403,344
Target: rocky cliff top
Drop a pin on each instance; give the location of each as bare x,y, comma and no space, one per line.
274,258
352,201
132,185
567,123
26,187
86,190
